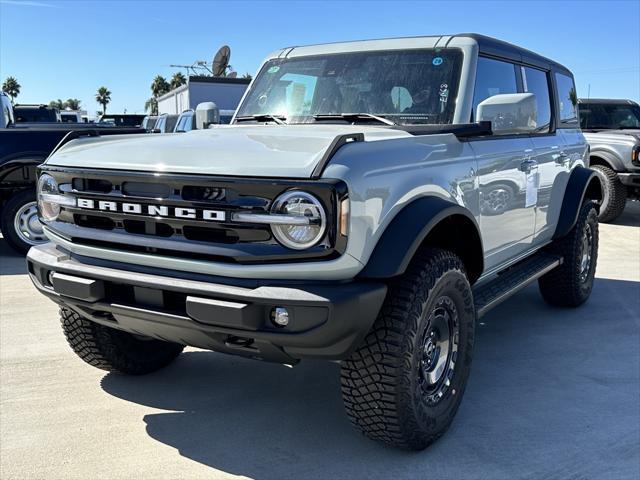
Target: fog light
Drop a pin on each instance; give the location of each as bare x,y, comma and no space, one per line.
280,316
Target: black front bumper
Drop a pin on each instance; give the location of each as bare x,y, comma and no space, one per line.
326,320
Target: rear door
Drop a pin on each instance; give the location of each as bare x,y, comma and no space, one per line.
505,164
551,159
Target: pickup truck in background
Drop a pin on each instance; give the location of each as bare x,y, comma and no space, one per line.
612,128
23,146
71,116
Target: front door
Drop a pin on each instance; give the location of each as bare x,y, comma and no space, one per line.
507,208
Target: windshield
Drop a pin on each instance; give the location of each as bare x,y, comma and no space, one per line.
594,116
405,86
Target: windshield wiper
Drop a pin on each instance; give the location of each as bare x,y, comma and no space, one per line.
354,116
263,117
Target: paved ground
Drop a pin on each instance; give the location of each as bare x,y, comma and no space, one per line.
553,394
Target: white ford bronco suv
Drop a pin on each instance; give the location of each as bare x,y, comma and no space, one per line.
368,203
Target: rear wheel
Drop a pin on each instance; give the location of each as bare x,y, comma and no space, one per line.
21,227
614,194
404,384
570,284
114,350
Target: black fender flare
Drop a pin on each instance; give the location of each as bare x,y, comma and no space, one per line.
450,225
583,183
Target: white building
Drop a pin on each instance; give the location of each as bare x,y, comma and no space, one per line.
225,92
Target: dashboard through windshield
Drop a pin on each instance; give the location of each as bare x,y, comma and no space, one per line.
404,86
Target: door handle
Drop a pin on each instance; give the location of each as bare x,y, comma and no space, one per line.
528,165
562,158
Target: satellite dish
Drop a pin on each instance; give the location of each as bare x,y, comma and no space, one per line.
221,61
232,74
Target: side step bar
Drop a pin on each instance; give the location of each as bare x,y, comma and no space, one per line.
512,280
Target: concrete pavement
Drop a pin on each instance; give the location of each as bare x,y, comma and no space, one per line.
552,394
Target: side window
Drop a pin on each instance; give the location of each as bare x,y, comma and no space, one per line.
535,81
493,77
567,99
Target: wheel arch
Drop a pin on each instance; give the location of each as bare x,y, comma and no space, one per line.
427,222
606,159
583,184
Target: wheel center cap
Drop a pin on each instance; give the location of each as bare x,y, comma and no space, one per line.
429,351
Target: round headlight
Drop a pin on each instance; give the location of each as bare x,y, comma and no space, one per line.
47,185
299,204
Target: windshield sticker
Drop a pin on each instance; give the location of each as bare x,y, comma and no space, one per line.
437,61
273,69
444,96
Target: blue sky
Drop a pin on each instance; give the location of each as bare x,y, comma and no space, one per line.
62,49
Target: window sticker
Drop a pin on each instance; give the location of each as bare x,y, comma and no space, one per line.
437,61
444,96
273,69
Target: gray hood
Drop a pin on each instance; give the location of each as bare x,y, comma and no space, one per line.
231,150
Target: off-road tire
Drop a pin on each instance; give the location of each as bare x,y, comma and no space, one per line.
114,350
563,286
615,194
9,212
380,381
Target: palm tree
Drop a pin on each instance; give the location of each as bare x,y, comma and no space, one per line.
247,75
151,106
160,86
11,87
103,97
59,104
73,104
177,80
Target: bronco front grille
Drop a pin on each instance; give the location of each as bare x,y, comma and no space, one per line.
185,215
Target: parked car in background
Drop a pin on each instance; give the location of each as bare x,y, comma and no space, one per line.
122,119
612,128
149,122
23,146
187,120
71,116
35,113
339,217
165,124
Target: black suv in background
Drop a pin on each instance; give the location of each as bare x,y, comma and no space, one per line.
122,119
35,114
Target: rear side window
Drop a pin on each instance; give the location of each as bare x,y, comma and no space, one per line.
567,100
536,81
493,77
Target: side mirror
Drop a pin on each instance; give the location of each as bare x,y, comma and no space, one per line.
509,113
207,113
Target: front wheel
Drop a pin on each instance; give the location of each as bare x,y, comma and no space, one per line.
21,227
404,384
114,350
614,196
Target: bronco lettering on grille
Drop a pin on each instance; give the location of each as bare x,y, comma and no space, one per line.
152,210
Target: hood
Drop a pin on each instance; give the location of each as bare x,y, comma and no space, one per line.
230,150
615,134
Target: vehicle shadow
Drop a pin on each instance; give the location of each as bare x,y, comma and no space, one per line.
553,393
11,262
630,216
